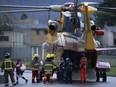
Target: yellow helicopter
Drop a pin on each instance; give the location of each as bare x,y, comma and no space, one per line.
63,41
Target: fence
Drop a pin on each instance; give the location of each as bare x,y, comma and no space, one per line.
109,56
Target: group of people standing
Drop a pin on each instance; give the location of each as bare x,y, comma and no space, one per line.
65,73
43,70
66,69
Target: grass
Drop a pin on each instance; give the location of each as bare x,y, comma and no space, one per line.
112,62
112,71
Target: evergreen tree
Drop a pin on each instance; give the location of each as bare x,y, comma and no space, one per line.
24,16
109,15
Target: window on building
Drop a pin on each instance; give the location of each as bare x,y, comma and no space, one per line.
115,41
37,32
4,38
43,32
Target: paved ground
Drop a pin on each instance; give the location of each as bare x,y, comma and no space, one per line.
110,83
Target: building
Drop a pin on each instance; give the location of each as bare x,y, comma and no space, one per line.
109,38
20,39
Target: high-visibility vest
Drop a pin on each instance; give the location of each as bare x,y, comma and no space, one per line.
36,66
48,68
8,64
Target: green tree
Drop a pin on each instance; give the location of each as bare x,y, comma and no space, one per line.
109,15
24,16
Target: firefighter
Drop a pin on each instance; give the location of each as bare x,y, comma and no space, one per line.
35,68
52,56
68,70
62,69
8,67
48,69
55,68
83,66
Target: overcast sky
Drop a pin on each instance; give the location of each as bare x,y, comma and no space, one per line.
37,15
41,2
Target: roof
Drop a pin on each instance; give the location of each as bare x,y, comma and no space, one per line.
35,26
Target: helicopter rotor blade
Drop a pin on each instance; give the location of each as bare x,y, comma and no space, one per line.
107,8
89,3
106,13
23,6
30,10
56,8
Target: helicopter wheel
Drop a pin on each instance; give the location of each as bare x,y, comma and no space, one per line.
104,77
97,76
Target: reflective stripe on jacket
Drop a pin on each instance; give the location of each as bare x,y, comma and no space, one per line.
8,64
48,68
35,65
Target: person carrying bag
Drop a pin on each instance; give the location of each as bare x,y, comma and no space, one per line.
20,68
23,67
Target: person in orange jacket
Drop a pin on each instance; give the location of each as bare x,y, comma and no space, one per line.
83,66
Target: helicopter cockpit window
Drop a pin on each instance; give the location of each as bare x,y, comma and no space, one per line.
70,27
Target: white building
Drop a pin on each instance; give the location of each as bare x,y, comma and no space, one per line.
109,38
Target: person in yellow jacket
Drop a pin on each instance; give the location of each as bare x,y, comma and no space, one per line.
52,57
48,69
35,68
8,67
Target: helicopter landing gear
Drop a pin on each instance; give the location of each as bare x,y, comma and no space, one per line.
97,76
104,77
101,74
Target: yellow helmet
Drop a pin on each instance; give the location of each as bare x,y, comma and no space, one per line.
35,56
48,56
53,55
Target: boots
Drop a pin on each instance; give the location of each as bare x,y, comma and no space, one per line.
37,80
17,82
26,81
33,81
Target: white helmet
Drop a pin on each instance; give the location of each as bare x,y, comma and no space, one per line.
92,23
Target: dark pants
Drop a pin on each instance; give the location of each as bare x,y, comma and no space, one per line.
68,76
35,75
62,77
6,75
19,74
41,75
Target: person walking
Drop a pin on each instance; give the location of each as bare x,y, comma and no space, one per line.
8,67
19,72
83,66
35,68
68,70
